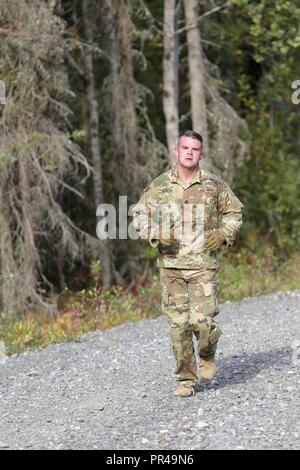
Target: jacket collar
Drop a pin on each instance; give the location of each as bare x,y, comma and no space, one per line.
175,178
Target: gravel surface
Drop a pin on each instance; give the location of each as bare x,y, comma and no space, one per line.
114,389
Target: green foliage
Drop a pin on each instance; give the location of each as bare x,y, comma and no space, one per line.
257,272
274,27
88,310
95,266
259,61
78,135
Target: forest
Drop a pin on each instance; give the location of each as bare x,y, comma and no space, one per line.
94,96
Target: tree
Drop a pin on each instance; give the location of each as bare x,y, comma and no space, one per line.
36,155
94,132
196,74
170,75
225,133
133,153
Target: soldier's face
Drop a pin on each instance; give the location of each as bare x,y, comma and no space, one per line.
188,152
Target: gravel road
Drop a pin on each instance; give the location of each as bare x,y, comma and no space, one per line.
113,389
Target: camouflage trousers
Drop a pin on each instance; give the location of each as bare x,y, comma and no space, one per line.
189,303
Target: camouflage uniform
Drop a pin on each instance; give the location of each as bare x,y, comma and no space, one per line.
187,275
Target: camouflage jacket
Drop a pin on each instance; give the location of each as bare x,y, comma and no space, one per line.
219,208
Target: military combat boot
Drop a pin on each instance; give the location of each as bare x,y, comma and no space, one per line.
207,367
184,390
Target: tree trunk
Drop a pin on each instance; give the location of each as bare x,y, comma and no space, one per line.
127,97
115,97
196,73
94,133
31,258
114,59
170,77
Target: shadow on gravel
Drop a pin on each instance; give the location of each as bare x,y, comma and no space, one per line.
240,368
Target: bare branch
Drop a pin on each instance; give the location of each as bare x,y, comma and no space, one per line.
74,64
201,17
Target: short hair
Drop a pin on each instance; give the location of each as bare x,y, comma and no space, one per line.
192,134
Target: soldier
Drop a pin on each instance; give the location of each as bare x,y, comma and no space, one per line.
187,258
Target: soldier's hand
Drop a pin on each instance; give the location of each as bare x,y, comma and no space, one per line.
213,239
170,247
168,242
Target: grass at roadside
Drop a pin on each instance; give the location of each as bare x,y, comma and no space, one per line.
247,274
242,275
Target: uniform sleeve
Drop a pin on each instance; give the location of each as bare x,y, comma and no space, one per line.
230,212
145,217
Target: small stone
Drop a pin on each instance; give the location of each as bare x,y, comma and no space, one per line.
202,425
